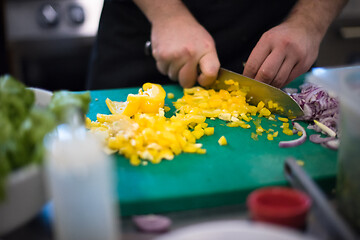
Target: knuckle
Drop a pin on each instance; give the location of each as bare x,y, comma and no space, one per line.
189,51
251,68
212,71
208,45
161,68
266,75
158,54
267,35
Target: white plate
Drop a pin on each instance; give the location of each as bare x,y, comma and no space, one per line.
233,230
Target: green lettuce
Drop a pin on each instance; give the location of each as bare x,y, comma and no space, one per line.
24,125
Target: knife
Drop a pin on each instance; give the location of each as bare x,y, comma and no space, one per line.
259,91
256,91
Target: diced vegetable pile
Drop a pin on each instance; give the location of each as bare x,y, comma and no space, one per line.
321,110
139,129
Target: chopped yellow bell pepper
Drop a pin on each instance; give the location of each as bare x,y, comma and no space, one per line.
149,99
139,130
222,141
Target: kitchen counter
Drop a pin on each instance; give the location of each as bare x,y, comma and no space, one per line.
40,227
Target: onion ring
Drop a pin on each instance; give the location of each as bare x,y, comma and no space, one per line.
296,142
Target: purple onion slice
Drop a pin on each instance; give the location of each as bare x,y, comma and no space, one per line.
296,142
316,138
152,223
332,144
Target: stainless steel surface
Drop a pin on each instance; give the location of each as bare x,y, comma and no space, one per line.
326,214
258,91
46,20
50,42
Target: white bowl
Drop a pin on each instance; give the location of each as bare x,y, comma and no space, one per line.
25,188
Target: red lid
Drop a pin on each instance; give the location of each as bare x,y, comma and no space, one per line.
279,205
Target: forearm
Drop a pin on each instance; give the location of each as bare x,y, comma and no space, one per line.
158,11
316,15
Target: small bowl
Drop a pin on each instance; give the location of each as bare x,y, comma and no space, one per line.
24,188
279,205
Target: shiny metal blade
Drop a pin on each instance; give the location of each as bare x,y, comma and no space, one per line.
258,91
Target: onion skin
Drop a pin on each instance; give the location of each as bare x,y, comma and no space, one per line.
296,142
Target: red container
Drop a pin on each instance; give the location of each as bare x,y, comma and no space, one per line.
279,205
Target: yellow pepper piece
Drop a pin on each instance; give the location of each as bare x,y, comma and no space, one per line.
283,119
170,95
270,104
300,162
209,131
166,108
264,112
149,99
260,105
115,107
288,131
222,141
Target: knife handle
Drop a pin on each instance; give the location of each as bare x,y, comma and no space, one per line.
148,48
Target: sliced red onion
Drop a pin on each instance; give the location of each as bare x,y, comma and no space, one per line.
332,144
152,223
317,105
316,138
296,142
320,106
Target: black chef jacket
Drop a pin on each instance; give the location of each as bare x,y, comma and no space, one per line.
118,59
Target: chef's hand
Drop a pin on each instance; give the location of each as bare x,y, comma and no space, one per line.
282,54
179,46
289,49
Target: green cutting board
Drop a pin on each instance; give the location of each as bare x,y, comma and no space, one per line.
225,175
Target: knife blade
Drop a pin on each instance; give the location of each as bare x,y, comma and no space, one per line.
259,91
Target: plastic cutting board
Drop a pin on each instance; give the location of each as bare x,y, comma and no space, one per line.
225,175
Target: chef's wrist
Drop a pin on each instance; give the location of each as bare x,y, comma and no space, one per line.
162,11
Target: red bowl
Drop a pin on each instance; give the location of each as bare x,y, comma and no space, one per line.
279,205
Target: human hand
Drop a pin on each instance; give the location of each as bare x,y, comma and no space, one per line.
282,54
179,45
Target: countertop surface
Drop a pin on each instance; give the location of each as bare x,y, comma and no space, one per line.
40,228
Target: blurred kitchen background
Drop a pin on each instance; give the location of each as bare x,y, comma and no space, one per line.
47,43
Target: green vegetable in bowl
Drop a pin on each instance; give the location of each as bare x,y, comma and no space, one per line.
63,100
24,125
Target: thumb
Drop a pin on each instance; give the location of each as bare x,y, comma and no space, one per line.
209,67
